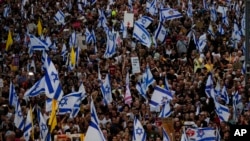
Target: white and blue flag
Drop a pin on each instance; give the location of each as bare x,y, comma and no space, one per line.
213,13
142,35
170,14
37,44
94,132
73,40
145,21
19,119
220,29
165,135
64,52
13,99
28,125
202,134
224,95
222,111
60,17
37,89
190,9
110,45
166,109
139,133
44,130
160,33
106,90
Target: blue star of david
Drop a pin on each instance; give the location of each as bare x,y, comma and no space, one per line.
139,131
219,111
143,36
143,21
19,113
200,133
44,127
163,32
107,89
164,100
55,76
87,34
63,102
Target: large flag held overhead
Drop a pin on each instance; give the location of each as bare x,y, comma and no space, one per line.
142,35
44,131
36,89
170,14
66,105
37,44
145,21
106,90
19,119
222,111
94,132
13,99
9,41
159,95
139,133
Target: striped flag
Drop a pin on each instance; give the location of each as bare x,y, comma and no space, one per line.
13,99
139,133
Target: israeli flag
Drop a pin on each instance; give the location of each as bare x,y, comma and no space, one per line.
184,135
110,45
201,42
28,125
60,17
102,21
139,133
225,18
166,110
236,34
213,13
222,111
141,88
6,11
190,9
160,33
243,24
106,90
243,69
73,40
13,99
224,95
142,35
92,2
94,132
53,88
202,134
170,14
145,21
236,101
165,135
124,31
19,120
209,85
90,36
130,5
159,96
36,89
166,84
64,52
220,29
211,30
67,103
152,7
205,5
44,131
37,44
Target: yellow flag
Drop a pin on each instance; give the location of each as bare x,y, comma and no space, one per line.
82,137
53,120
39,27
9,41
73,56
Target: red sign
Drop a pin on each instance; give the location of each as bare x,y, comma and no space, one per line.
190,132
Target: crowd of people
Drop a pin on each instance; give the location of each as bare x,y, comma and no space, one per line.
177,59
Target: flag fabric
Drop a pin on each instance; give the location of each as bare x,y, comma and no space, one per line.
222,111
236,34
13,98
36,89
159,95
110,45
124,31
201,134
170,14
19,119
44,131
220,29
9,41
52,120
166,84
64,52
39,27
66,105
127,97
205,5
106,90
152,7
209,85
28,125
243,69
145,21
224,95
142,35
73,40
6,11
165,135
53,88
166,109
94,132
139,133
102,21
190,9
218,137
201,42
145,82
211,31
243,24
130,5
213,13
224,17
60,17
37,44
184,135
160,33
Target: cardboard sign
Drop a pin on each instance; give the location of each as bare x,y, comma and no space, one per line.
128,19
135,65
